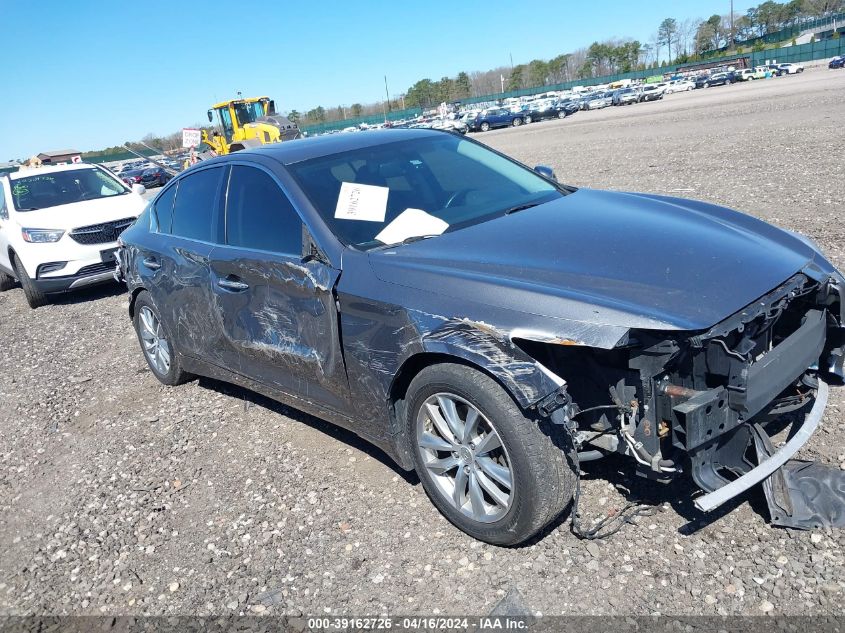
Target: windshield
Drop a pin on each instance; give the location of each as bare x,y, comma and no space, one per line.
451,181
41,191
248,112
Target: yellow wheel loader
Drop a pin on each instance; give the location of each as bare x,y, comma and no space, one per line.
245,123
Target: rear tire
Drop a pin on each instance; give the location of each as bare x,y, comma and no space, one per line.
502,446
517,122
34,297
156,342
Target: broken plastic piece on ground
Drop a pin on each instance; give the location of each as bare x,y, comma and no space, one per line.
806,495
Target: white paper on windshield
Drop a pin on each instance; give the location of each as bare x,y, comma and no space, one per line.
361,202
411,223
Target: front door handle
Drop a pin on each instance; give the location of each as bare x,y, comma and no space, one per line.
151,263
234,285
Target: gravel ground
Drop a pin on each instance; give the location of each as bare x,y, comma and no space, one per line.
121,496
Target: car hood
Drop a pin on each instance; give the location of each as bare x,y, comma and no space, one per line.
84,213
622,259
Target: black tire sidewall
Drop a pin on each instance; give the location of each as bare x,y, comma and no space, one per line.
518,519
34,297
7,282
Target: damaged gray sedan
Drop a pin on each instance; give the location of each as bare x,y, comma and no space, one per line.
491,328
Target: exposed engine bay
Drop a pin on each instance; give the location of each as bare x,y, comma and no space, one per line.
710,404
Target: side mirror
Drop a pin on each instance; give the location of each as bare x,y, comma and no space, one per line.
139,189
210,119
546,172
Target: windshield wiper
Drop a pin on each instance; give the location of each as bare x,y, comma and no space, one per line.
417,238
407,240
28,208
521,207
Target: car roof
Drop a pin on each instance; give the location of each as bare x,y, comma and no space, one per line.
52,169
299,150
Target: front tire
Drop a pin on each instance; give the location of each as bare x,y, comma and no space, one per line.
484,127
34,297
156,342
7,282
494,473
517,122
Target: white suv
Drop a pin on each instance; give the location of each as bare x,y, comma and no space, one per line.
59,227
791,69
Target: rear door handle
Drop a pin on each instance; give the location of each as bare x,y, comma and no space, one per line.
234,285
151,263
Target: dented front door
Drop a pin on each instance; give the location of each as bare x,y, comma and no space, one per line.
278,323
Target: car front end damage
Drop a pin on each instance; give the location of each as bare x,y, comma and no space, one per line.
711,402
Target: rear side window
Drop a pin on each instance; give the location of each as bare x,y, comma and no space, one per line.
259,215
194,210
163,210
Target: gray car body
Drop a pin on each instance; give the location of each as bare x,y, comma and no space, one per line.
339,332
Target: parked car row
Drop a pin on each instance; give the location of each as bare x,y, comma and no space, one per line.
517,111
708,80
837,62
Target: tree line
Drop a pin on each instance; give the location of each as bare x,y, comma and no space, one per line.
673,42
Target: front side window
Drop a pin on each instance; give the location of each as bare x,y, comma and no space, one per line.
194,209
226,122
259,215
457,181
53,189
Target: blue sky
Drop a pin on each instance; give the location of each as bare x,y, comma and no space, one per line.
93,73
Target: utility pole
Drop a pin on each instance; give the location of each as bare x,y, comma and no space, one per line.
733,38
386,92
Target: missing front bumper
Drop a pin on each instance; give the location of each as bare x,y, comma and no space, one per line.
800,494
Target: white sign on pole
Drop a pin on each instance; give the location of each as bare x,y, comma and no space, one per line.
191,137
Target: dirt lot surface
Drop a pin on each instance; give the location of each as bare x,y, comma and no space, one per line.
121,496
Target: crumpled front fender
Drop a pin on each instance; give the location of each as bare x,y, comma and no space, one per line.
492,350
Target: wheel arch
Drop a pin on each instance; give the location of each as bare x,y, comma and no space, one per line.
11,253
413,365
133,296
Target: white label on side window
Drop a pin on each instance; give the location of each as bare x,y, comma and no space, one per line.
361,202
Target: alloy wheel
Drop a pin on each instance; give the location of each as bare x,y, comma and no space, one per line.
155,344
465,457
